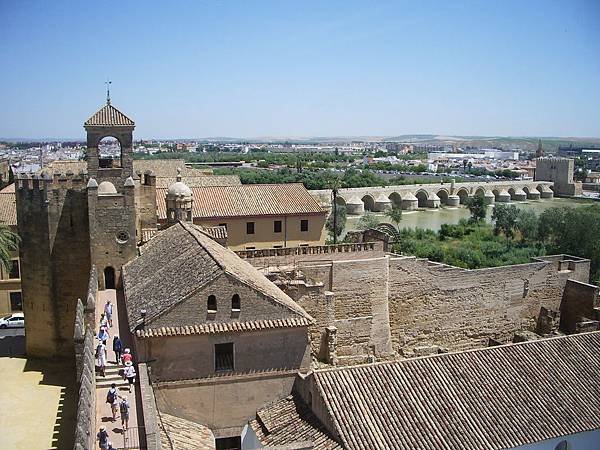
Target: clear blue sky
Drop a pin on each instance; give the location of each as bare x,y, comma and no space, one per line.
301,68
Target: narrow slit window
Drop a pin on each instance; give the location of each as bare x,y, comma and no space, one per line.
211,304
235,303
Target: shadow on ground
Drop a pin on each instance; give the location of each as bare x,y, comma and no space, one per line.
60,373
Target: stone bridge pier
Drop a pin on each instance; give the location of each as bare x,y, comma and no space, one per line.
412,197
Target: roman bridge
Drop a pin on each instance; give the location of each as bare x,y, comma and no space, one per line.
411,197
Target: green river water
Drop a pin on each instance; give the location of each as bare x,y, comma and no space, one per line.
433,218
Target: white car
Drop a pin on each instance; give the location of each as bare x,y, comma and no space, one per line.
16,320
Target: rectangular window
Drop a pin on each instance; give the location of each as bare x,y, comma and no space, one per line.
14,270
303,245
249,227
224,357
304,225
250,247
278,246
277,226
16,301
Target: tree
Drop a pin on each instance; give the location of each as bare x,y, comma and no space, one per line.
9,242
505,220
528,224
336,222
395,215
368,220
477,208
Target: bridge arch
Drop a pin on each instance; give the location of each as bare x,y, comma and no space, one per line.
369,202
526,190
511,191
341,201
463,195
479,192
396,199
496,193
443,195
422,197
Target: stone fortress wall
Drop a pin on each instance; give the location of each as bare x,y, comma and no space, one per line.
389,305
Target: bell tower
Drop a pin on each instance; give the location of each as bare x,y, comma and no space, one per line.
111,192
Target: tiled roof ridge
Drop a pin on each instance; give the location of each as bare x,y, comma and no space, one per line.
222,327
109,115
458,352
190,228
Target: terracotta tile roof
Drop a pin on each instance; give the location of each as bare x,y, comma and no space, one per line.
199,181
63,167
109,116
8,208
289,421
247,200
216,232
178,262
223,327
182,434
499,397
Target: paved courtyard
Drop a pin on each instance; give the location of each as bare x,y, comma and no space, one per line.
39,404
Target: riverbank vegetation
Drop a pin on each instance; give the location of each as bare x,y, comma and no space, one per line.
514,237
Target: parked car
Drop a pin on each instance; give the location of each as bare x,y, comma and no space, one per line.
16,320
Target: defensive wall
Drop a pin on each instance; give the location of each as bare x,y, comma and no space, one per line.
410,197
83,338
385,304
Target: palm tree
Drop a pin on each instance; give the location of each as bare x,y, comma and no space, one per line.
335,184
9,242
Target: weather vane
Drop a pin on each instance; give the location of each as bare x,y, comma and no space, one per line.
108,83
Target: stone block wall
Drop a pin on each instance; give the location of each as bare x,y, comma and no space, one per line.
580,301
434,304
194,309
193,356
52,219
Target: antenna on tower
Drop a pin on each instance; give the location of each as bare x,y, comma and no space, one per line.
108,83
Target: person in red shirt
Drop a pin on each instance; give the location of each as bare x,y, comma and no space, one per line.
127,356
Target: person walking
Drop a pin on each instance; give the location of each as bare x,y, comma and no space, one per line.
112,398
127,356
129,373
108,312
101,358
124,409
118,349
102,437
103,335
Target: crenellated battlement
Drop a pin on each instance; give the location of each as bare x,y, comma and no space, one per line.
48,182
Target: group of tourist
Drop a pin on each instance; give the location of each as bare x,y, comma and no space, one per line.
119,405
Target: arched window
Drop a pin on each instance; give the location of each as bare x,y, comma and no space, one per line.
236,303
211,304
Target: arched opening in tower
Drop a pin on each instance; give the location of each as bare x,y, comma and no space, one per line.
109,153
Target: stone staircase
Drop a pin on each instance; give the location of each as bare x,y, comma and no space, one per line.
112,376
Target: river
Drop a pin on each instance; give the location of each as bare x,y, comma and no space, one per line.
433,218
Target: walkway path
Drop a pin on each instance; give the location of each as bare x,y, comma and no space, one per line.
129,439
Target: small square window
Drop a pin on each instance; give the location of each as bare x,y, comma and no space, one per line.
249,227
224,357
16,301
277,226
304,225
14,270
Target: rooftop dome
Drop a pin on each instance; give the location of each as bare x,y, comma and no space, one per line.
179,188
106,188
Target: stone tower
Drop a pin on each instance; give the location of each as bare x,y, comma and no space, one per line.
179,202
111,195
52,217
69,222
